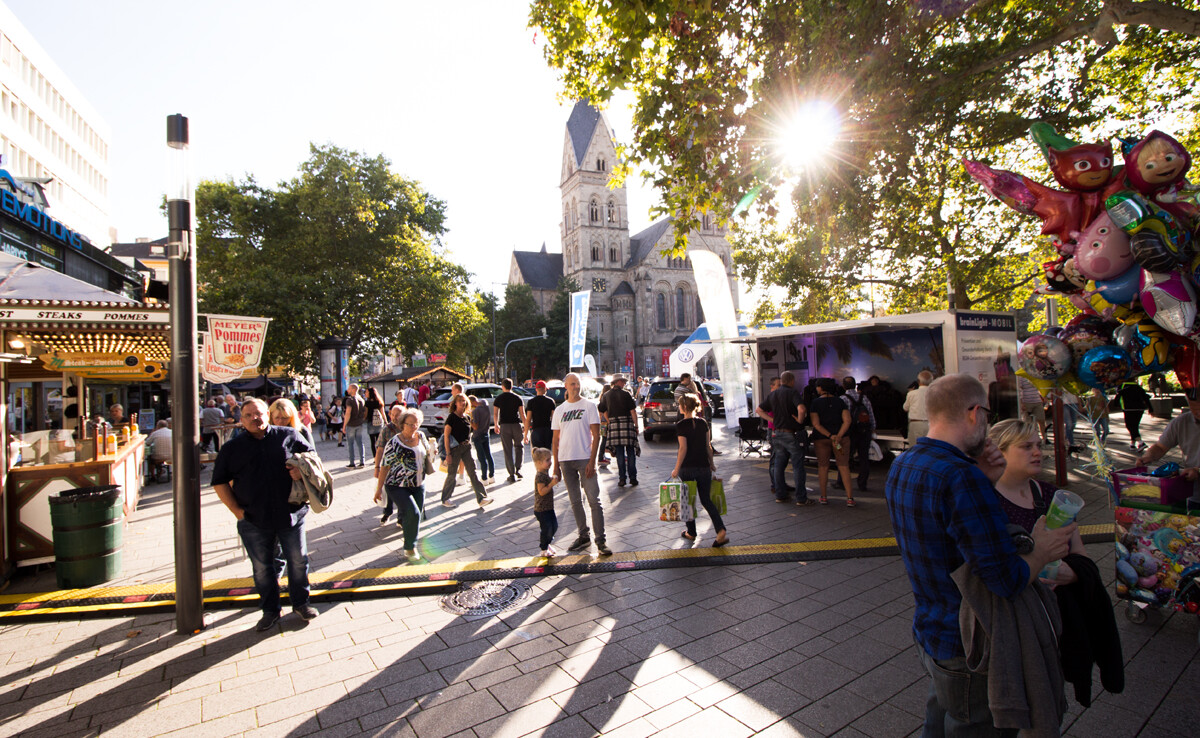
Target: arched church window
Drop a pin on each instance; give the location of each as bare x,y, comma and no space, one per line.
612,212
594,211
661,310
681,308
612,255
597,255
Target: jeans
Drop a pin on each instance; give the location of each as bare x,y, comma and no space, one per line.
461,454
410,501
483,452
575,477
265,547
548,526
860,443
1101,427
626,457
511,435
540,438
786,445
356,437
957,706
1070,418
702,476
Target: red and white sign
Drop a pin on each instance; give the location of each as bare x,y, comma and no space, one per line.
666,362
237,341
211,370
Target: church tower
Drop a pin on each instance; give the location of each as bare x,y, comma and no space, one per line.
595,228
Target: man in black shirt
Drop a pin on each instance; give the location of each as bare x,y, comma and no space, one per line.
509,416
619,409
539,411
251,479
786,409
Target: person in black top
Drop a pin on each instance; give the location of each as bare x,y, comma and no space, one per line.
831,424
539,411
694,463
1134,402
619,409
456,435
786,409
375,417
509,417
250,478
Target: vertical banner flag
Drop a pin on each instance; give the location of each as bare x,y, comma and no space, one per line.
211,370
237,341
712,283
580,302
627,367
666,363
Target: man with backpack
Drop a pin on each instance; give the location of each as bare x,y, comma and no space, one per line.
862,428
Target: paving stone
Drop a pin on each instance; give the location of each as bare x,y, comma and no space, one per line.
302,704
885,721
456,715
833,712
522,721
621,709
711,721
532,687
349,708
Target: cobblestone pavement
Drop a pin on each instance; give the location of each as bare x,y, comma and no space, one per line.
811,649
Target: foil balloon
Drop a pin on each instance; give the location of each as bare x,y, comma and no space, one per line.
1169,300
1092,304
1043,386
1103,367
1086,332
1145,345
1158,239
1156,166
1007,187
1062,276
1185,361
1044,357
1102,250
1123,289
1073,384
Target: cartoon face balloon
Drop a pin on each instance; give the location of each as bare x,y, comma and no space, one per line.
1169,300
1062,276
1076,166
1102,250
1045,357
1086,332
1103,367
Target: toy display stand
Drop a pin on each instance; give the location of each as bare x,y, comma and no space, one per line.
1158,547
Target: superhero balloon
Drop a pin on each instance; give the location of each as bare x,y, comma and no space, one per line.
1044,357
1103,367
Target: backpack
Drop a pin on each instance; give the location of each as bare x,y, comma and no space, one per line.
860,417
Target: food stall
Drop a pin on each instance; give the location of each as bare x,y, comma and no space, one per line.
57,433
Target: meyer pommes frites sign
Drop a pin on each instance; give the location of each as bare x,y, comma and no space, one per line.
236,341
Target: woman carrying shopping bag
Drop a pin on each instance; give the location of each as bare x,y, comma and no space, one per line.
694,463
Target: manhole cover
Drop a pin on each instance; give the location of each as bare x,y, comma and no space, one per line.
486,598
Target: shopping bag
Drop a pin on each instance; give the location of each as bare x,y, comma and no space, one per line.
674,503
716,492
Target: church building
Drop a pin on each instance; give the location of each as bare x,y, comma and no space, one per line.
643,303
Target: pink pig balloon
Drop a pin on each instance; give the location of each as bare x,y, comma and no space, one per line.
1102,250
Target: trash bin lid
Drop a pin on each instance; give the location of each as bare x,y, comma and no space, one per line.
82,494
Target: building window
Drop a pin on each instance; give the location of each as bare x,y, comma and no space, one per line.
661,309
680,308
699,312
600,165
612,254
594,211
596,257
612,212
706,223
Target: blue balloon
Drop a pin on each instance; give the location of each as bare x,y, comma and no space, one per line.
1103,367
1122,290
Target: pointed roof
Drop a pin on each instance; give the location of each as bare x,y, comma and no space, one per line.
540,270
581,126
623,289
641,244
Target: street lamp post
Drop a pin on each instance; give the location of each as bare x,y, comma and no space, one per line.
185,384
518,340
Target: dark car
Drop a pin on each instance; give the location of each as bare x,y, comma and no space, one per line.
659,411
716,398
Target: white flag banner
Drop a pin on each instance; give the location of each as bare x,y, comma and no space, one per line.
580,301
237,341
209,369
717,300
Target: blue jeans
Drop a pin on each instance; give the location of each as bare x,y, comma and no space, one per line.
1070,417
626,457
410,501
356,437
548,526
957,706
1101,427
702,476
785,446
483,452
265,547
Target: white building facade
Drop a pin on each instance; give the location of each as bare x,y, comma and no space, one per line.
50,134
643,303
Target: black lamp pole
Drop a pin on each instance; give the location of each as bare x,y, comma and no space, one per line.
185,384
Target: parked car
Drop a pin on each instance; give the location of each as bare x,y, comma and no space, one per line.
588,388
716,398
659,411
435,408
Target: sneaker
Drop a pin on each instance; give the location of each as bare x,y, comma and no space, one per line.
544,553
341,444
411,554
717,453
383,518
782,500
1133,447
603,462
518,474
449,504
580,543
512,479
803,503
603,550
621,483
308,612
267,622
633,483
351,465
485,502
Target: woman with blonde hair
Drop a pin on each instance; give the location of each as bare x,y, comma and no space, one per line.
694,463
283,412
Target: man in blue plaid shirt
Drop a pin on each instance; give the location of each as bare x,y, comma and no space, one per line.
945,511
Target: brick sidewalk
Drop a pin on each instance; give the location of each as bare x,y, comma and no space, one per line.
822,648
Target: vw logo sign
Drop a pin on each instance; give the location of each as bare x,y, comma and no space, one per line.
685,355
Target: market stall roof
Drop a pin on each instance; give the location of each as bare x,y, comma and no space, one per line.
416,373
23,280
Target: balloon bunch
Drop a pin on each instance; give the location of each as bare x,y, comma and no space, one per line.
1128,256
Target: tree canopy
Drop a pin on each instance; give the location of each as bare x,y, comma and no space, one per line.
914,86
347,248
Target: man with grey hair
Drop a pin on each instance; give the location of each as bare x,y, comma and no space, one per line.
251,478
914,405
576,426
946,513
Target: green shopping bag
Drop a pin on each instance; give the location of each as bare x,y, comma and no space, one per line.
676,503
716,492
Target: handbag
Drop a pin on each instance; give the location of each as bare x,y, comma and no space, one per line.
716,493
430,453
674,502
376,418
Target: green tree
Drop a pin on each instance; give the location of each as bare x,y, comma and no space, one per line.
557,346
346,248
917,86
520,318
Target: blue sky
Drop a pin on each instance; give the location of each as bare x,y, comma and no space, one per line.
455,94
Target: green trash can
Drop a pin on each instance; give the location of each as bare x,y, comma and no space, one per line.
88,529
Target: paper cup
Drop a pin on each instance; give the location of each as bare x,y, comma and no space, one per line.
1063,508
